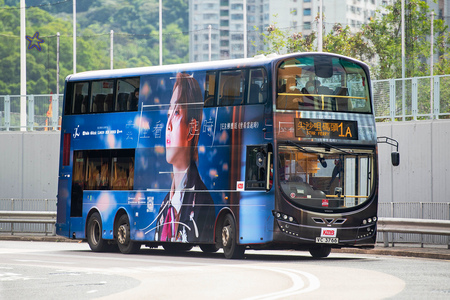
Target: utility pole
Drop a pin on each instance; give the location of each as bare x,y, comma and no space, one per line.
319,35
403,58
74,36
23,69
111,49
209,42
160,33
432,65
245,28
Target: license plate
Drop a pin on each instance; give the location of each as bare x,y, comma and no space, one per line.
327,240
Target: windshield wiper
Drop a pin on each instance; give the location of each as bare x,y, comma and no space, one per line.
326,145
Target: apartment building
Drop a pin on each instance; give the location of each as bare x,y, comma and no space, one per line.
219,25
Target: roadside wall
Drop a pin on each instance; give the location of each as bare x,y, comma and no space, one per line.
424,171
29,163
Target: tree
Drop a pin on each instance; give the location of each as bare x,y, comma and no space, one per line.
384,34
378,43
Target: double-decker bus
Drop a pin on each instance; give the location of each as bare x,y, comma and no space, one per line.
272,152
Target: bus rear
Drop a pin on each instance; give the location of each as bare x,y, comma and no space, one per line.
325,154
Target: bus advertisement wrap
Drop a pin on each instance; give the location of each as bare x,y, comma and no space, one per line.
264,153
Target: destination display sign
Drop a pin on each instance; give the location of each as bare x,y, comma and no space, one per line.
326,129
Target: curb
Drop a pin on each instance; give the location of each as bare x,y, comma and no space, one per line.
428,252
37,238
433,253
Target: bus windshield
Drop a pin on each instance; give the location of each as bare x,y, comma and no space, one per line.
322,83
326,177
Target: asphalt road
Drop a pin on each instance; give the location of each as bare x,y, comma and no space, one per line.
49,270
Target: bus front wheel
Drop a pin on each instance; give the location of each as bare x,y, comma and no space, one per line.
126,245
320,251
94,234
231,248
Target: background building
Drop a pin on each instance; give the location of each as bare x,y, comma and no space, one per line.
227,21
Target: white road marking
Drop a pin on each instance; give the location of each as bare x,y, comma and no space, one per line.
298,284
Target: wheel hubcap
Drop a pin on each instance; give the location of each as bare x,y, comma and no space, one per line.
95,232
122,234
225,235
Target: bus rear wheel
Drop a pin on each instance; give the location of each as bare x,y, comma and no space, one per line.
320,251
231,248
94,234
123,236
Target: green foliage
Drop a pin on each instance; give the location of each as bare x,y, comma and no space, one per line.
136,38
384,34
378,42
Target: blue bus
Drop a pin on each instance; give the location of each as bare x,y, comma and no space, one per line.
271,152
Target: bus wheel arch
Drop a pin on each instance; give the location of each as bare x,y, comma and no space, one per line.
228,237
94,229
122,234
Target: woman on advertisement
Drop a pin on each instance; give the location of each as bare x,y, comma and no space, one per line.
187,212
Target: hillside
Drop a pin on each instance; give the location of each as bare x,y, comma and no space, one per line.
136,38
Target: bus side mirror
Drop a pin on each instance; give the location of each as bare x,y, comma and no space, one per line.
395,158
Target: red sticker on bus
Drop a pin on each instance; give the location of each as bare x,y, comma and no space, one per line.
328,232
325,202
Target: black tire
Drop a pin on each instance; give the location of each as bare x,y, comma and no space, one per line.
209,248
231,248
125,244
177,247
320,251
94,234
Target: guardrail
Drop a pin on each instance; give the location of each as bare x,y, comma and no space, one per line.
406,225
384,225
41,217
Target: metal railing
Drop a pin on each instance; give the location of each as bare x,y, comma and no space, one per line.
417,98
43,112
414,226
29,217
427,212
27,209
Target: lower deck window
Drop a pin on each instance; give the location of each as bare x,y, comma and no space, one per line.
100,170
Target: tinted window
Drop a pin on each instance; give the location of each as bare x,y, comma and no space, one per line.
231,87
102,96
322,83
80,96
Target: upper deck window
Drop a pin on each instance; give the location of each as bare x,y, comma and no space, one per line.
322,83
236,87
127,94
102,96
231,87
81,98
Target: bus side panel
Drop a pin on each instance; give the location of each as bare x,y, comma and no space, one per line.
62,215
256,219
236,128
138,205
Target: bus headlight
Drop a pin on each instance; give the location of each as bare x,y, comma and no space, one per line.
369,220
284,217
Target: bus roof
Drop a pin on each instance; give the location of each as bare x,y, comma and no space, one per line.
257,60
209,65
